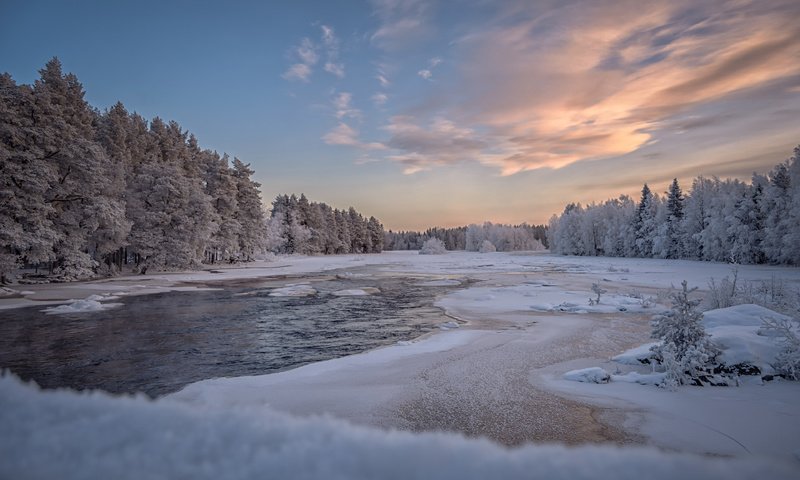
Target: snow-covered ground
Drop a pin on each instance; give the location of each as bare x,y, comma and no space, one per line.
525,320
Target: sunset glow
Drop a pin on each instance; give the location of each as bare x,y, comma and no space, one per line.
443,113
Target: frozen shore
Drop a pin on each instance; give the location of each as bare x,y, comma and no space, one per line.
529,321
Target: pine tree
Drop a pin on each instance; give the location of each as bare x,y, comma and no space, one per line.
674,237
645,223
249,214
685,348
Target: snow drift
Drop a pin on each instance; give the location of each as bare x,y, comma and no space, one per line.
66,435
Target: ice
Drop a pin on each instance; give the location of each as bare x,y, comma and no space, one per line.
448,325
589,375
92,303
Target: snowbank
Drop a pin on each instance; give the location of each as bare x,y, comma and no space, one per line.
356,292
294,290
640,355
65,435
588,375
736,330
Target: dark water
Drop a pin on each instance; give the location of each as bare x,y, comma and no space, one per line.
159,343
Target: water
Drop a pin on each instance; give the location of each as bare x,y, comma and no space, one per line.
159,343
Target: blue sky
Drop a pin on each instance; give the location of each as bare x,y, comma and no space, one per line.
442,113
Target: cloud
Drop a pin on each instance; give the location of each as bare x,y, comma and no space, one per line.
345,135
336,69
307,54
342,104
383,80
331,44
596,80
439,143
402,23
380,99
298,71
427,73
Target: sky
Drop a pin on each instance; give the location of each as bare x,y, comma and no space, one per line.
442,113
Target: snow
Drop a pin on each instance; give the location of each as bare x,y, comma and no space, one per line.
439,283
463,373
356,292
294,290
637,355
588,375
448,325
737,331
67,435
640,378
88,304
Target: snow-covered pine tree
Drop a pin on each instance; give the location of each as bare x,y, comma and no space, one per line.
675,234
27,232
777,204
644,223
86,197
685,349
375,232
249,213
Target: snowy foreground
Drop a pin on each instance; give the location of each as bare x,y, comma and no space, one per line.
496,371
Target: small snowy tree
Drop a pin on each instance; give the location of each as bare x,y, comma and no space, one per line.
685,351
433,246
598,290
487,247
787,361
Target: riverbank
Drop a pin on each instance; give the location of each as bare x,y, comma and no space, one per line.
526,313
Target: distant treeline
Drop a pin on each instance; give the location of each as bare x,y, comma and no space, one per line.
718,220
84,192
504,238
300,226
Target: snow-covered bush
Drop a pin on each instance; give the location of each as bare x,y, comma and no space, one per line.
598,290
787,362
487,247
722,295
432,246
685,351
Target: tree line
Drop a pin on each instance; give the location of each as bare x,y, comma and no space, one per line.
84,192
297,225
717,220
504,238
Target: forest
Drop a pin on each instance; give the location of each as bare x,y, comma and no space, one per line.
502,238
716,220
85,192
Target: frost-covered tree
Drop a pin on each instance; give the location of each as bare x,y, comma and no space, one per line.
685,349
487,247
27,231
249,213
298,225
718,220
644,223
432,246
674,222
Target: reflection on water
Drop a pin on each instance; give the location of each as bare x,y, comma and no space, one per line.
159,343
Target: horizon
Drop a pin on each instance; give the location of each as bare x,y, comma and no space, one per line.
425,116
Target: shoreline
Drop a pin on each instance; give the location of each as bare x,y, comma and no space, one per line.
485,378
